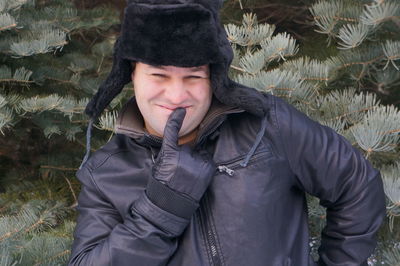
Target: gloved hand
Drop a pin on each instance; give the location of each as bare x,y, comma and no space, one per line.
179,167
185,172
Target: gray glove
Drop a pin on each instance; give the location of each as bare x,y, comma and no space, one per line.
180,175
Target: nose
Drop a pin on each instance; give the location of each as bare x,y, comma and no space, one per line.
176,92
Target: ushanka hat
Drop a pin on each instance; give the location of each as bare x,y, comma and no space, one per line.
183,33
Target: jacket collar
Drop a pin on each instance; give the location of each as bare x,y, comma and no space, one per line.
130,122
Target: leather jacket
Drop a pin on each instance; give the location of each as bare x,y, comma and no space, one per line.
251,214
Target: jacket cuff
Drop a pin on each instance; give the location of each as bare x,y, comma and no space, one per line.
158,217
170,200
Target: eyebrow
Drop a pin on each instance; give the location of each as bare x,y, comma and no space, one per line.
192,69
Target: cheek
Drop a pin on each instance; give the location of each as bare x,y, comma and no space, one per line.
203,93
145,92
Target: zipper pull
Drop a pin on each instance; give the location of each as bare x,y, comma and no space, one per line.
223,168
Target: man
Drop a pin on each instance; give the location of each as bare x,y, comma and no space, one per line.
204,171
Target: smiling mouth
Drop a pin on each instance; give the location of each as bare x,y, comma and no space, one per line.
172,108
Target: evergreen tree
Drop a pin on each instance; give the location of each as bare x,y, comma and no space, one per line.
53,57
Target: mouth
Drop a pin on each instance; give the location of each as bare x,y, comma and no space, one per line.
171,108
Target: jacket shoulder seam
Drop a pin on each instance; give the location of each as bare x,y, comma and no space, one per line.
91,169
95,184
106,157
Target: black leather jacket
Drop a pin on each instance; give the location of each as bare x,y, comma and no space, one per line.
250,215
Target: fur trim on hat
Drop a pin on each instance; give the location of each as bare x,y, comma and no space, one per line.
212,5
178,35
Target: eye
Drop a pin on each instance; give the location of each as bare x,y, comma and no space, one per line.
158,75
195,77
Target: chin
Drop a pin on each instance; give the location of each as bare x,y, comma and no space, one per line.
187,129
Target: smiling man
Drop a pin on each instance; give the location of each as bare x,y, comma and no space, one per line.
204,171
161,89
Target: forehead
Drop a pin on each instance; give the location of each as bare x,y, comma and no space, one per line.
204,68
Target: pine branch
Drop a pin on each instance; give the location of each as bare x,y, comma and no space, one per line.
252,63
6,119
352,35
279,47
324,14
274,81
391,182
72,190
49,248
249,33
6,258
21,75
7,22
329,15
56,257
310,69
58,168
46,42
348,59
108,120
392,255
381,12
238,68
12,5
391,50
369,133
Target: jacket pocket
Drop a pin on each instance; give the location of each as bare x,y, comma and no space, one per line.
230,166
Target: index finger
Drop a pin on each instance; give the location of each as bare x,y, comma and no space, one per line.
172,127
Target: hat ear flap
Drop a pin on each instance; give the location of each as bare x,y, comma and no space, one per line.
232,93
119,76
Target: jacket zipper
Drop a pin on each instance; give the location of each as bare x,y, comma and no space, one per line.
205,218
209,235
229,166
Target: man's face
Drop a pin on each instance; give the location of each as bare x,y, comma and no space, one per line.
161,89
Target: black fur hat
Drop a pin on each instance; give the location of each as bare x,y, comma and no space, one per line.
183,33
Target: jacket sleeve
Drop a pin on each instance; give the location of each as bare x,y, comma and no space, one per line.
145,236
327,166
